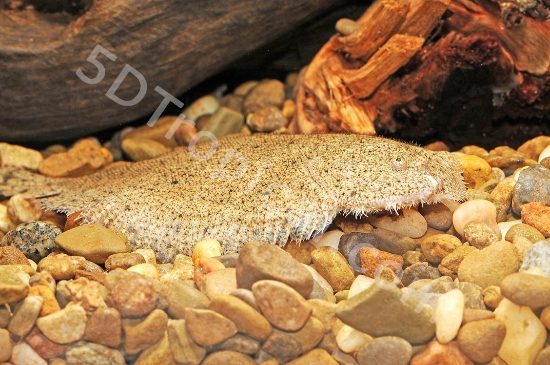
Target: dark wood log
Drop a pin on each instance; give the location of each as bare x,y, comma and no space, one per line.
174,44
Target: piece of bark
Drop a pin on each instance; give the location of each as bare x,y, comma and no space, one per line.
173,44
482,64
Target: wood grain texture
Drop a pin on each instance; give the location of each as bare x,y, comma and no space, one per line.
174,44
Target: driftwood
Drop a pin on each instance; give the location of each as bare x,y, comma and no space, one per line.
173,44
443,69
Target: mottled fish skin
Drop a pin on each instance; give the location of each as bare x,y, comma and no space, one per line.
266,188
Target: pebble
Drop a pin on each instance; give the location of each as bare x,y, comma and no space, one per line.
266,120
207,327
141,334
264,94
94,242
25,315
450,263
85,157
43,346
351,340
233,101
315,356
534,147
23,354
492,296
281,305
148,270
543,357
92,353
472,315
350,224
5,223
409,223
379,311
148,254
207,104
507,159
104,327
204,266
479,234
223,122
476,171
501,196
206,249
157,132
537,215
23,209
240,343
441,354
245,87
489,266
538,255
12,287
330,238
245,317
10,255
386,350
6,345
35,239
228,357
258,261
448,315
184,349
475,210
419,271
333,267
436,247
49,304
300,251
373,261
159,353
60,266
437,216
311,334
283,346
533,185
14,155
140,149
523,230
481,340
64,326
123,260
184,296
525,335
133,295
526,289
223,281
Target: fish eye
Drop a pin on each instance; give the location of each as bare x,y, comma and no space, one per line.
398,164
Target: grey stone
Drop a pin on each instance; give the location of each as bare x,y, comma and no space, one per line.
420,270
533,185
380,311
35,239
538,255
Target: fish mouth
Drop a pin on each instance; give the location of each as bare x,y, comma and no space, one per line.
430,194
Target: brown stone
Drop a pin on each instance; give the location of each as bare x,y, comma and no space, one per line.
481,340
316,356
123,260
441,354
157,354
43,346
208,328
142,334
50,304
373,261
134,296
228,357
537,215
10,255
104,327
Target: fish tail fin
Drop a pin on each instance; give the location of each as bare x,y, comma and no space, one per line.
15,180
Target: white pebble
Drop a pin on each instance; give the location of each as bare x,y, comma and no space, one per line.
409,223
330,238
350,340
148,254
207,104
23,354
361,283
545,153
23,208
448,315
145,269
525,333
206,248
505,226
476,210
323,283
